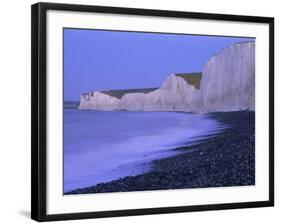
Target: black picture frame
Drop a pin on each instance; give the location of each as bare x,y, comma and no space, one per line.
38,108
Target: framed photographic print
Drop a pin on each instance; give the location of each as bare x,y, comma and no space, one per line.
140,111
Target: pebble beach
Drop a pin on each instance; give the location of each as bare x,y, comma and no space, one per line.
222,160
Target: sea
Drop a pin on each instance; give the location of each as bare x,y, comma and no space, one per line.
101,146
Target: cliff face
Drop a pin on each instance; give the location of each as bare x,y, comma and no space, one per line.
99,101
227,84
133,101
228,80
174,95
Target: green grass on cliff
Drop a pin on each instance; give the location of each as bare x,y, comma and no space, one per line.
192,78
121,92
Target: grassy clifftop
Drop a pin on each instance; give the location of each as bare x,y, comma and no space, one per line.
119,93
192,78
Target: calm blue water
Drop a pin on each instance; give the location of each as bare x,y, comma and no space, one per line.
103,146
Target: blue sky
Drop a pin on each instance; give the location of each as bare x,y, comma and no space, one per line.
104,60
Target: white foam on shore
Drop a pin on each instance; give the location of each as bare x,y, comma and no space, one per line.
104,146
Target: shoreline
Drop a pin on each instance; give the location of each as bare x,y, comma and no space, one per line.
224,159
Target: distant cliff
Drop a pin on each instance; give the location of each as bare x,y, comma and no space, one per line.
227,83
99,101
174,94
71,104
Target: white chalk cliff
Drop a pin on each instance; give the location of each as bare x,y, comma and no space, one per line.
98,101
228,84
174,95
228,80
